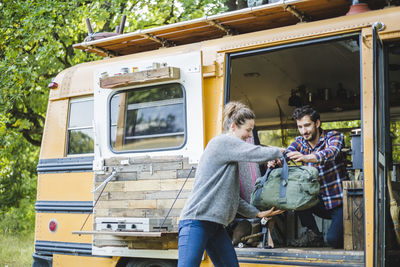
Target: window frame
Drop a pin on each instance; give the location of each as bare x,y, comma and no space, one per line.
141,105
67,146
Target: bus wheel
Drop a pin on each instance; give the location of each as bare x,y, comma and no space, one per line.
151,263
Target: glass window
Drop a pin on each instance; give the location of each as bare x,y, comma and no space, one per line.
148,118
80,128
284,137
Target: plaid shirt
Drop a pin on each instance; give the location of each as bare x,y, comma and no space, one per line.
331,165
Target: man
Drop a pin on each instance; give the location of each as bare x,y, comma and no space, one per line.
320,149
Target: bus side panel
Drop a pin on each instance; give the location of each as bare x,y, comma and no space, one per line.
69,260
66,224
213,101
55,130
72,186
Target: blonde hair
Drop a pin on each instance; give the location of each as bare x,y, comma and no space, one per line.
238,113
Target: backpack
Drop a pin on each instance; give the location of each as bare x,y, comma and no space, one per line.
287,188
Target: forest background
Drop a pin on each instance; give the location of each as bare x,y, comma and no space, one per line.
36,38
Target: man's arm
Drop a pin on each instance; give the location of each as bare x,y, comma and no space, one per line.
298,157
293,152
334,145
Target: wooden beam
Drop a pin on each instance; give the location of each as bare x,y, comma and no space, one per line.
162,41
300,15
218,25
121,233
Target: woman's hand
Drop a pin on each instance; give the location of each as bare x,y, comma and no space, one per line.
282,149
274,163
269,213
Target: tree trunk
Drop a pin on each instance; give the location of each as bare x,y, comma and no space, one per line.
242,4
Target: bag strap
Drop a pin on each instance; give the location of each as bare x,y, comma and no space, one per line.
295,164
284,182
261,184
285,179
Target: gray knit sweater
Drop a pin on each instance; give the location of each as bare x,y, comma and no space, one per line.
216,192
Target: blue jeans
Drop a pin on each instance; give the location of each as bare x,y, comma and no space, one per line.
334,236
196,236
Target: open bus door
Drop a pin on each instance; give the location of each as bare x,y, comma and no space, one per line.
382,145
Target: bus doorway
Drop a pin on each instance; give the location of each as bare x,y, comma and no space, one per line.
391,189
326,74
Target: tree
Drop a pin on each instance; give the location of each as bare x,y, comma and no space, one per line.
36,38
235,4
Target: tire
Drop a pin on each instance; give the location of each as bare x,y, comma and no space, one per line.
151,263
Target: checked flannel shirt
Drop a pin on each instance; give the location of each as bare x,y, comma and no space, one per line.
331,164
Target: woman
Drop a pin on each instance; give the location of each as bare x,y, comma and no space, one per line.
215,199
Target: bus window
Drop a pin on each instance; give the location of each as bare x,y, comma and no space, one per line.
148,118
80,128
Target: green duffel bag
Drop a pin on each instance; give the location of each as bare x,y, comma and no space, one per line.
287,188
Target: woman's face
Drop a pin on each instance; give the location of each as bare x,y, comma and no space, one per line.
243,131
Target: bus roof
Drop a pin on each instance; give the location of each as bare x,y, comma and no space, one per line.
279,14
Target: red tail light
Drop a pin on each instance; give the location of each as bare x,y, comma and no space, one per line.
53,85
53,225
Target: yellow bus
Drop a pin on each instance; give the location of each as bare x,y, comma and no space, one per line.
124,134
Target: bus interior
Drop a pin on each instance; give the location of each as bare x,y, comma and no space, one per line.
326,74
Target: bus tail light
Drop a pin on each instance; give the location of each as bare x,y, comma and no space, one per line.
53,85
53,225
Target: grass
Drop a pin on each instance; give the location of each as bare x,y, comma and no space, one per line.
16,250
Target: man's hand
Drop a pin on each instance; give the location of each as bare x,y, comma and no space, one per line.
298,157
269,213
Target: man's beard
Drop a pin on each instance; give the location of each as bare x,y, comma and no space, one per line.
312,136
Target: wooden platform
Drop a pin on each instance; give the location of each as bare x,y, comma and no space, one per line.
279,14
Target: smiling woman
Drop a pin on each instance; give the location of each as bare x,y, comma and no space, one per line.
215,198
239,120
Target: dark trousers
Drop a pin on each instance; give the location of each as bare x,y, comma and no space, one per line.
335,233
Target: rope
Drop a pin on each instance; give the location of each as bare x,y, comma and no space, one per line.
162,224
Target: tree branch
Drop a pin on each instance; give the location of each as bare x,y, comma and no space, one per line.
171,13
34,118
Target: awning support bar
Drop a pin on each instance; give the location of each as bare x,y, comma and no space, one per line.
162,41
100,50
223,28
295,12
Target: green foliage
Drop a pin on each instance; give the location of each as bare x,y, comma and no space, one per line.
16,250
395,134
80,142
36,38
18,160
19,219
344,127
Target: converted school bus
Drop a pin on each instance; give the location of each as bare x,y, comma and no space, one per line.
144,131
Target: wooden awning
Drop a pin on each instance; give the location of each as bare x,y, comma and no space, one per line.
282,13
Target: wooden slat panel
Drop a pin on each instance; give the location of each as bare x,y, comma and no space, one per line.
353,216
140,77
128,204
145,187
